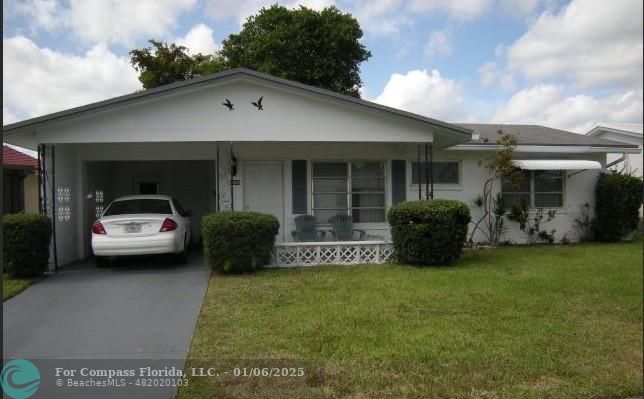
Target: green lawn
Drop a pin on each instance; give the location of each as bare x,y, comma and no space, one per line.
531,322
13,286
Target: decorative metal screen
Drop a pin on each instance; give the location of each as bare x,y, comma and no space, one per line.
98,200
64,206
293,254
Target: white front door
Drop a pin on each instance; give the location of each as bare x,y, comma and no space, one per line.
264,190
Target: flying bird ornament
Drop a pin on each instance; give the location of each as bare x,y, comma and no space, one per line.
228,105
258,104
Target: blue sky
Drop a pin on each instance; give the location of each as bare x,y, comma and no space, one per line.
566,64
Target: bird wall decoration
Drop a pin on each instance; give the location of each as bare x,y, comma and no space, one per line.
258,104
228,105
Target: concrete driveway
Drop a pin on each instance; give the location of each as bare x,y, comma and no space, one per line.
139,313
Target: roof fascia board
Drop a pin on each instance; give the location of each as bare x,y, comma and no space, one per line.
601,129
547,148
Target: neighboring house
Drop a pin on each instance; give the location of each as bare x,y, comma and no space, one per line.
309,151
629,133
20,182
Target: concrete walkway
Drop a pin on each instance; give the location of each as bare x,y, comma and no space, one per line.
136,314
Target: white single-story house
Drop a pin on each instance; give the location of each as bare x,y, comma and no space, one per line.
308,151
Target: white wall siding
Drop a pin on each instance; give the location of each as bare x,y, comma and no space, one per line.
194,186
198,115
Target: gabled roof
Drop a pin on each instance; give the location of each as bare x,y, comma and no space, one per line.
535,135
460,132
624,129
12,158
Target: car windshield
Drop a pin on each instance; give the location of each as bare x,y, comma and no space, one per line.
137,206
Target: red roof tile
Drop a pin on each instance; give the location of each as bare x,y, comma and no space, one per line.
15,159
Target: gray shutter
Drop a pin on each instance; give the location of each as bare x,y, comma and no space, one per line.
398,181
298,178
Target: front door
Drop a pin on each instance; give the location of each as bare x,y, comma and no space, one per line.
264,190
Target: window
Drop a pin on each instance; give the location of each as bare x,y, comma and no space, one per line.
540,189
356,188
180,210
444,172
139,206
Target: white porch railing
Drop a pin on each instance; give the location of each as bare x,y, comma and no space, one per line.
292,254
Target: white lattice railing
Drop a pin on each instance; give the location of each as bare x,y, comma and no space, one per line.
289,254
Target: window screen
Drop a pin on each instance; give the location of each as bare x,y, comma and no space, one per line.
444,172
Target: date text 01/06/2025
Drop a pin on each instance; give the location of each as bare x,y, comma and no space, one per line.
249,372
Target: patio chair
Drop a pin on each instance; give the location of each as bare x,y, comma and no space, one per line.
305,229
343,228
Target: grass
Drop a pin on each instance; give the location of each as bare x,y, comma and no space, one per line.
530,322
13,286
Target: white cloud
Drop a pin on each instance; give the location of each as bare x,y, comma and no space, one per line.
105,21
242,9
199,39
439,43
547,104
426,93
44,14
491,76
121,21
456,9
593,43
8,116
521,7
38,80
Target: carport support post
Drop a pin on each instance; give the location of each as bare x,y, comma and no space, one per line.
233,168
427,171
431,170
53,205
217,205
40,206
43,179
418,170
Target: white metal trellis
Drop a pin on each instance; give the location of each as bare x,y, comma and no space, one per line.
294,254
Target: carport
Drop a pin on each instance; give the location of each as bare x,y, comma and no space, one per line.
189,181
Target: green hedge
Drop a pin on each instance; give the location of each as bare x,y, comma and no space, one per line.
618,199
238,242
429,232
26,244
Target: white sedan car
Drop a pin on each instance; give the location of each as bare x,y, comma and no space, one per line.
141,225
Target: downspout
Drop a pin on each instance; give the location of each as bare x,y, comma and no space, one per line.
615,162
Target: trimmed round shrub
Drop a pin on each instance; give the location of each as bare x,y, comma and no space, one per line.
26,244
238,242
618,199
429,232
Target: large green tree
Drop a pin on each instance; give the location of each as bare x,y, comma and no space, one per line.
164,63
319,48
